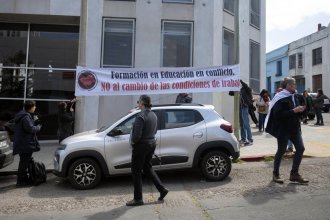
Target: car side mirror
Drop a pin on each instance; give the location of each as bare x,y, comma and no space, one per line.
115,132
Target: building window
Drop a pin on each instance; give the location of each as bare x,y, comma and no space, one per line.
300,60
317,82
228,47
292,61
255,66
229,5
177,44
118,42
255,13
279,68
179,1
37,62
317,56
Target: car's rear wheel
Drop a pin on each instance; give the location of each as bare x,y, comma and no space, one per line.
84,173
216,165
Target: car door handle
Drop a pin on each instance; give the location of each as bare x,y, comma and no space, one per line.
198,135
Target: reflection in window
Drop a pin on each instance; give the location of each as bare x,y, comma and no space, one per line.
53,46
12,82
46,84
118,42
229,5
255,66
228,53
181,118
126,126
177,44
13,44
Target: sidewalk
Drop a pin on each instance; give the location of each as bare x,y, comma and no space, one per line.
316,140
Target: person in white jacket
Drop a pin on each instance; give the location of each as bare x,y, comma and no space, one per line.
262,106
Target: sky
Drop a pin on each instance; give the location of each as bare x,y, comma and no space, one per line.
290,20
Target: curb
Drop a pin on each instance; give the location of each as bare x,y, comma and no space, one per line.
268,157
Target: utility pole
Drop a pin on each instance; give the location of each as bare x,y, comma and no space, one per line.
236,93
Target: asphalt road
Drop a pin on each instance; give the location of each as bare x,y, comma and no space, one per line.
248,193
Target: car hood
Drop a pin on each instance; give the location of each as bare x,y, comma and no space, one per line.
80,136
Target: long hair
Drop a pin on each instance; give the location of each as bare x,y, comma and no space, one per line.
61,107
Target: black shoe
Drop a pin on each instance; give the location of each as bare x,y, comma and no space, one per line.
135,203
163,194
295,177
277,179
321,124
317,123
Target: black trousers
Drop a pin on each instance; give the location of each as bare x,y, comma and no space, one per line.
141,160
22,176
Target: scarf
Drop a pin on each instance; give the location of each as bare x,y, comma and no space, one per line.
281,95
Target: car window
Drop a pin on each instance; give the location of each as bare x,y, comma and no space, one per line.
126,126
181,118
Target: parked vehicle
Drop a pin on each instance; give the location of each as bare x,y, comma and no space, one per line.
326,103
189,136
6,150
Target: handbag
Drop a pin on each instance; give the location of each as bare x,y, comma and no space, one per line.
261,108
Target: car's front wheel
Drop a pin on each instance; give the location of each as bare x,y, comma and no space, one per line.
84,173
216,165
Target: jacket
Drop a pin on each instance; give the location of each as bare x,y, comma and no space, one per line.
318,101
65,121
246,96
183,98
283,122
144,127
25,134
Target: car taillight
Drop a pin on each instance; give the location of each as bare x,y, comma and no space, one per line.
227,127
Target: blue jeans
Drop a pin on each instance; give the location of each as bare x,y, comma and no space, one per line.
246,134
262,118
281,148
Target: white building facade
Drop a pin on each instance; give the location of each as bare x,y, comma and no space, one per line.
309,61
130,34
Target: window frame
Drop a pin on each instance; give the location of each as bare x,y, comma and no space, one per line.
223,43
300,60
178,2
250,65
317,56
191,40
292,61
227,10
279,68
133,42
255,13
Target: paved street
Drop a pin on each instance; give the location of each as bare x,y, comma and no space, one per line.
248,193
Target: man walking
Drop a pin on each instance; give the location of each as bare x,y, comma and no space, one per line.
144,144
25,140
283,122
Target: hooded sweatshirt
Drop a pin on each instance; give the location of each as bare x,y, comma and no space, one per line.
25,138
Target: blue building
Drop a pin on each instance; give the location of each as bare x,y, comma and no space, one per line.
277,67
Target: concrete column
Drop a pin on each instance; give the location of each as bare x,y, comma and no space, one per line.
89,55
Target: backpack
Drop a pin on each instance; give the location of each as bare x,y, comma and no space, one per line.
37,172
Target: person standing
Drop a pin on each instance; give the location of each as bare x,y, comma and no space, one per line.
262,105
143,144
245,102
318,102
309,106
283,122
65,120
25,140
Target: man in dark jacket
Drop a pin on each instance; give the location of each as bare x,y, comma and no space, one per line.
143,143
283,122
245,103
25,140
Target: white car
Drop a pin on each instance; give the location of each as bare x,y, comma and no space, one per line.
188,136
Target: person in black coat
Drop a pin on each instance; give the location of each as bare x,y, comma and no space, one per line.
283,122
143,144
25,140
65,121
183,98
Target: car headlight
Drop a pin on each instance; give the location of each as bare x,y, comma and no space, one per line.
61,147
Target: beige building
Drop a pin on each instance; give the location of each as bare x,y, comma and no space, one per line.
42,41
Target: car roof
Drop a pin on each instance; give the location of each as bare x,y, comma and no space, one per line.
180,106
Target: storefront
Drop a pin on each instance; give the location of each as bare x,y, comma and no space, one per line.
37,62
